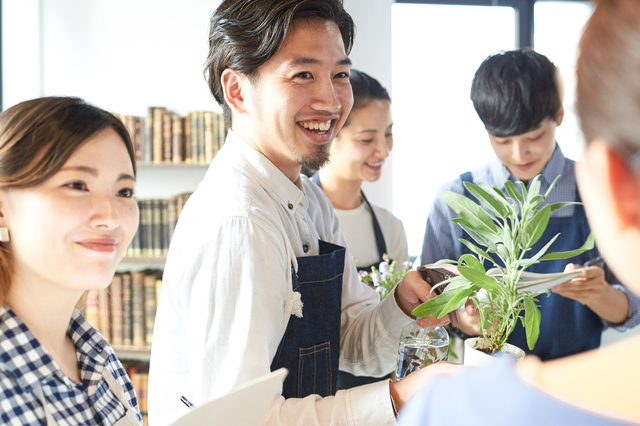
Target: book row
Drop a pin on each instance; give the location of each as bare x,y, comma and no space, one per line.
157,222
165,137
124,312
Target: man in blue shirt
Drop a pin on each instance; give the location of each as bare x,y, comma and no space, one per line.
517,96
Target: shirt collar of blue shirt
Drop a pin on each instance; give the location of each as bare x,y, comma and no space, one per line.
29,362
551,170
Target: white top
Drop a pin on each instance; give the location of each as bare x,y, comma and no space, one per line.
226,296
357,227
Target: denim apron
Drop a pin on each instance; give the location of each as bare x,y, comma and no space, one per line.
567,327
310,347
348,380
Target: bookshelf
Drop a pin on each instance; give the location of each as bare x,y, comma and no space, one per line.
173,154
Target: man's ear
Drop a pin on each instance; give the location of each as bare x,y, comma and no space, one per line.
233,84
624,186
560,115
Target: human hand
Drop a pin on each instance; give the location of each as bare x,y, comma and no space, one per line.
586,287
469,319
404,389
411,292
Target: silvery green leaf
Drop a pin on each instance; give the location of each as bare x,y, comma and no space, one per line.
496,194
588,245
485,198
534,227
475,215
499,192
503,251
478,278
532,320
523,189
557,206
433,307
507,239
477,250
534,187
472,262
456,283
512,190
478,237
544,249
457,301
552,185
525,263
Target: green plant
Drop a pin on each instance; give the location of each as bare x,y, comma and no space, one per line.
385,277
511,224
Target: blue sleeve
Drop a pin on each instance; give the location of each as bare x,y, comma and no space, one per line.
633,317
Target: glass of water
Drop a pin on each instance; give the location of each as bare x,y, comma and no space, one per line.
420,347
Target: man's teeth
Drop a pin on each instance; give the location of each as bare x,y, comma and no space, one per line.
317,126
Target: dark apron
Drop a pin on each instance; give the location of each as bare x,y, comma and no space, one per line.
348,380
567,327
310,347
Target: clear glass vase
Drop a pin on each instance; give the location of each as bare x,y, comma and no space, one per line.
420,347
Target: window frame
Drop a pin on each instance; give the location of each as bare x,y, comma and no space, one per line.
524,12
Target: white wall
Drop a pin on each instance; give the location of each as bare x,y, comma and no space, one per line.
372,54
127,55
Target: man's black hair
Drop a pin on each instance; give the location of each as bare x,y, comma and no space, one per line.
514,91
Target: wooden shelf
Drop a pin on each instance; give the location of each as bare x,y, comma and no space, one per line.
144,259
197,166
140,353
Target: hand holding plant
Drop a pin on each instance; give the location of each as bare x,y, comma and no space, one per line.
503,235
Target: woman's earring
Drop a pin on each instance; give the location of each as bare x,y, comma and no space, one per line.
4,235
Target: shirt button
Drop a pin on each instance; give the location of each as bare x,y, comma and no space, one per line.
305,247
290,206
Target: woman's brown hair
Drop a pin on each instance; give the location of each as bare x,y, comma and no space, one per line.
37,137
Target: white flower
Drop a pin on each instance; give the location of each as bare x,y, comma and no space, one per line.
384,267
376,279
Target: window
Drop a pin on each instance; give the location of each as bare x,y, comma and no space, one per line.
436,49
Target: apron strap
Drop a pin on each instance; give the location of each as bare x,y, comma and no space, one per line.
380,243
130,418
382,246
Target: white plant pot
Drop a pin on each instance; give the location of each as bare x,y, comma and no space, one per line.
476,358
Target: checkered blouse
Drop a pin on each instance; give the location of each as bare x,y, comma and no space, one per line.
25,364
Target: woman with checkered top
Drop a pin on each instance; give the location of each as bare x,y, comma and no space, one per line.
67,172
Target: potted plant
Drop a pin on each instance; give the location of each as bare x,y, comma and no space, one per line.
503,235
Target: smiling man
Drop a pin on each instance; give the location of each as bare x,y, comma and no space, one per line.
518,97
258,277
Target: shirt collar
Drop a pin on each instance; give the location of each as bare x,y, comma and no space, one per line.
551,170
28,361
290,195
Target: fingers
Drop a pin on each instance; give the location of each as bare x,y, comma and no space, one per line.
470,308
433,321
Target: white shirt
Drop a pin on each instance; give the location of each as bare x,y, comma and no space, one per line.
357,227
222,309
